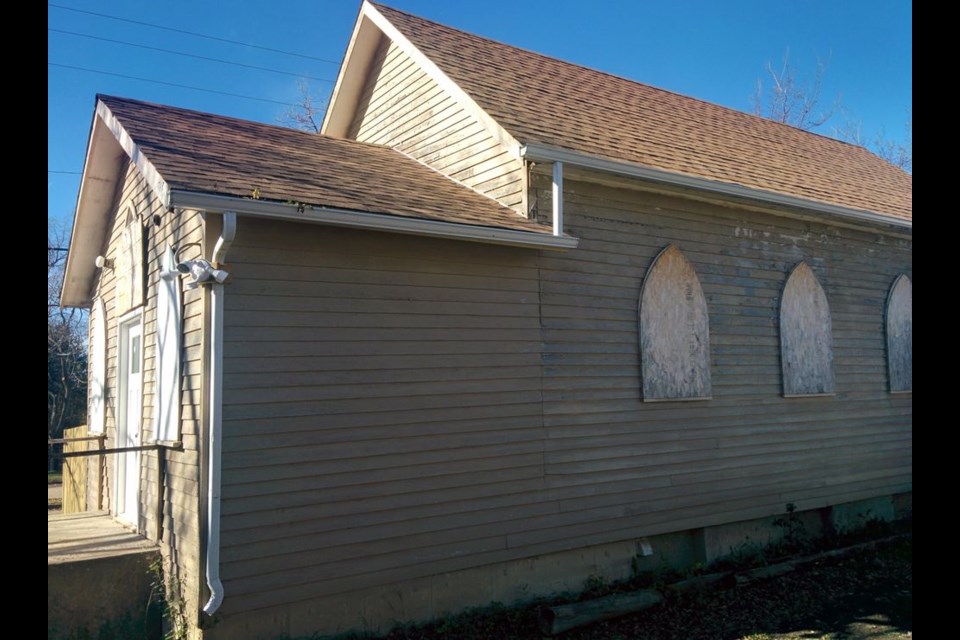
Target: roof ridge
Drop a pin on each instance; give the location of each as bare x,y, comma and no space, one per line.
732,110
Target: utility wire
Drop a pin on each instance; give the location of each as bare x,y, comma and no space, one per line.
187,55
170,84
193,33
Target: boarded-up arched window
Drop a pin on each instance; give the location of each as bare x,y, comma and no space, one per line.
98,367
674,331
167,396
900,335
806,339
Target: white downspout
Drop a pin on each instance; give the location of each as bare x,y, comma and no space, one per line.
558,199
227,235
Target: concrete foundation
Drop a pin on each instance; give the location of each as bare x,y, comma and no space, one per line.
854,515
377,610
99,580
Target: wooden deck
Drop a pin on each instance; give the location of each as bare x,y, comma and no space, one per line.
99,577
76,537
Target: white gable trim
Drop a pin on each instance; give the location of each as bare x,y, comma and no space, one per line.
101,173
351,78
342,106
149,172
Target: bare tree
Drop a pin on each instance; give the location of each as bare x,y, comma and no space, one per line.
66,345
897,152
793,99
307,115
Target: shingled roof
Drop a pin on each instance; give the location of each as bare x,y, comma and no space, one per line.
210,154
542,100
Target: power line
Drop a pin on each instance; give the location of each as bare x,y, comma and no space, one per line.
187,55
170,84
193,33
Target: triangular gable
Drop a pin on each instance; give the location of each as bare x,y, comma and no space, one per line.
201,161
558,111
389,93
370,28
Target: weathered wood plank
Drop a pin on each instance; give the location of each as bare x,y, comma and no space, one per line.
806,338
899,334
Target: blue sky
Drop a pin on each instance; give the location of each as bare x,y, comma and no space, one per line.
713,50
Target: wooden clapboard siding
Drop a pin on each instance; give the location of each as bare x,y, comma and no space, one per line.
398,407
402,107
748,449
180,542
378,390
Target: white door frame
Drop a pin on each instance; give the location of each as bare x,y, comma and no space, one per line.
129,416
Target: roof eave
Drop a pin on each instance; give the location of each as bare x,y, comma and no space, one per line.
107,144
546,153
370,220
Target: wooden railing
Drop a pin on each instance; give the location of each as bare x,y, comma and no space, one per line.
75,469
76,447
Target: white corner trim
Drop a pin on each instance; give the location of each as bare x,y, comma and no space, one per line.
438,76
371,221
547,153
150,173
97,366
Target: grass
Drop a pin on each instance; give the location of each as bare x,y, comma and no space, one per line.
54,477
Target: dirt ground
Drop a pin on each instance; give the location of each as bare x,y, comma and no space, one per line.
54,497
867,594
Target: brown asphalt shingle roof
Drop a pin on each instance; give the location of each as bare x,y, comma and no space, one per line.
211,154
538,99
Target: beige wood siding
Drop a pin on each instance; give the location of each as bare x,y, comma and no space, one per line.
626,468
402,107
397,407
180,482
381,407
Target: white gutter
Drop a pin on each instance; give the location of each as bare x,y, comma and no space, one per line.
367,220
227,234
546,153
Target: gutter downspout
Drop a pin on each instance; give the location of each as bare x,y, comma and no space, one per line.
558,199
227,234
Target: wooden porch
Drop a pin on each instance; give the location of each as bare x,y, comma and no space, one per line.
78,537
100,575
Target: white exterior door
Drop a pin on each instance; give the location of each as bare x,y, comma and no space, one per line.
128,424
